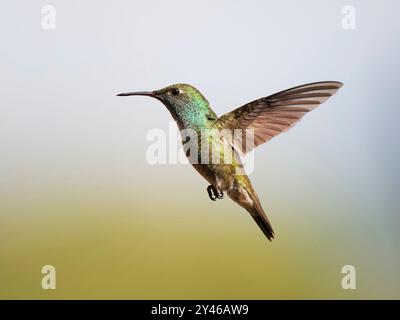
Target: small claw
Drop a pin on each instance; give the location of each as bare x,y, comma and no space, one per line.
214,194
211,194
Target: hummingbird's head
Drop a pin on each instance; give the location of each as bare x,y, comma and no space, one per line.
180,96
176,95
180,99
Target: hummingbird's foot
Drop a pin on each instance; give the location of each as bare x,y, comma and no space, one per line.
211,194
214,193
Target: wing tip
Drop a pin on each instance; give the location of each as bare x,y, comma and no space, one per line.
338,83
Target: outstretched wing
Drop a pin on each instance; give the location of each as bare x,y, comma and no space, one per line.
274,114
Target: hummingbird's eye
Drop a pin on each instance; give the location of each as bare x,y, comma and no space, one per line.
175,91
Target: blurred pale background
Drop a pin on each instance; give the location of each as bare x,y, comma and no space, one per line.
76,191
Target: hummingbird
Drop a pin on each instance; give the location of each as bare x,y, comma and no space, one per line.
266,118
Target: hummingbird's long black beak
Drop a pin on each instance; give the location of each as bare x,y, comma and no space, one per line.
139,93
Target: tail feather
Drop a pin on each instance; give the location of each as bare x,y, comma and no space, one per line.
248,199
261,219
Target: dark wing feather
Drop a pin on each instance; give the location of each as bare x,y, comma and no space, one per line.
274,114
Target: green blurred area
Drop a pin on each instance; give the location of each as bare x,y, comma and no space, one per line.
120,246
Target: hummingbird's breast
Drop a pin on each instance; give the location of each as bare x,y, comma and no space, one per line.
213,157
